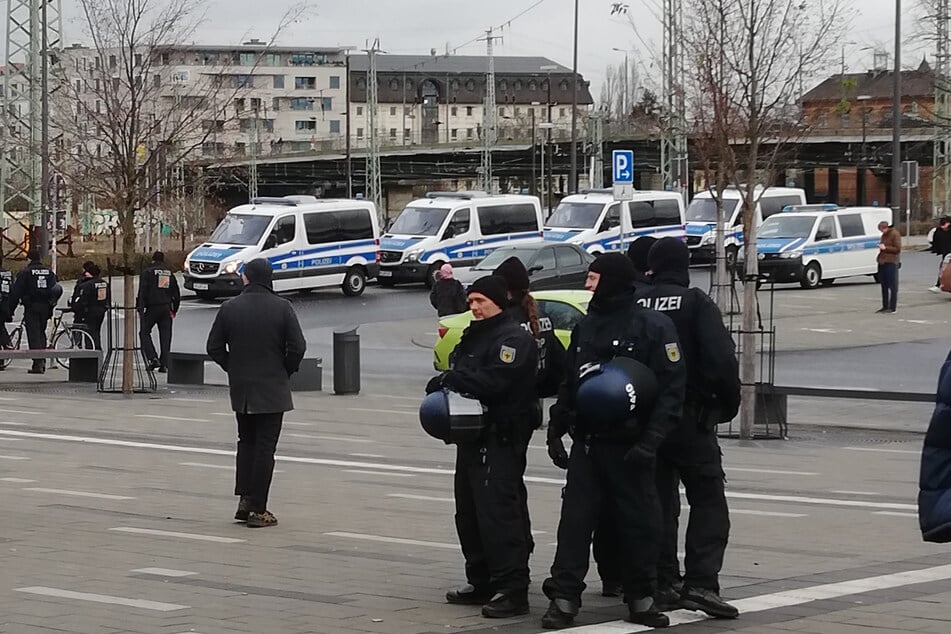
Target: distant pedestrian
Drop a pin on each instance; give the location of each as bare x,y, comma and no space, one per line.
941,246
889,255
257,340
448,296
35,287
91,303
6,309
158,301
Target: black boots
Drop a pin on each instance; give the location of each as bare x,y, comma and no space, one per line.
503,606
704,600
244,509
469,595
644,612
561,613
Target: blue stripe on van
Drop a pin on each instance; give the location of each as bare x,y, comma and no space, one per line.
480,248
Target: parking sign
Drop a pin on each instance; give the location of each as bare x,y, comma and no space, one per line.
622,166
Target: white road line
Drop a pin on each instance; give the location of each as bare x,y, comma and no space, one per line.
896,514
205,465
788,598
294,424
330,438
841,492
393,540
17,480
103,598
20,411
381,473
367,455
191,400
163,572
13,457
916,452
427,498
80,494
403,398
175,418
771,471
6,422
8,398
797,499
383,411
194,536
734,511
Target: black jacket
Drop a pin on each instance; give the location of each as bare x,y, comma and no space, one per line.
496,362
934,481
448,297
91,298
33,286
158,287
257,340
551,354
941,243
713,375
6,288
609,326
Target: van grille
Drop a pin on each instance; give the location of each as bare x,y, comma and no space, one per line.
693,241
389,257
203,268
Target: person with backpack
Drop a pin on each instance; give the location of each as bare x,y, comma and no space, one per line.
448,296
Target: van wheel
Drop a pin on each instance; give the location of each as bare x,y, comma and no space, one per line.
431,273
811,276
828,282
355,282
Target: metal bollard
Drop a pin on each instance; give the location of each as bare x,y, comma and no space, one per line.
346,361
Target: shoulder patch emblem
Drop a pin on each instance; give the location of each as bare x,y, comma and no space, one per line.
673,352
507,354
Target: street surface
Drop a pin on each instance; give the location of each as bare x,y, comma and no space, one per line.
119,509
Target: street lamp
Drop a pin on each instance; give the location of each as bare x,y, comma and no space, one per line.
627,77
548,125
860,177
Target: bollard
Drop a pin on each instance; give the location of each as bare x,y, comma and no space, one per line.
346,361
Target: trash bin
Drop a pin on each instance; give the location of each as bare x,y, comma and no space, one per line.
346,361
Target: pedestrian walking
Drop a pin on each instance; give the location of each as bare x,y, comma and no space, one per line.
35,287
448,296
6,309
157,302
941,246
91,303
889,258
495,362
691,453
257,340
612,460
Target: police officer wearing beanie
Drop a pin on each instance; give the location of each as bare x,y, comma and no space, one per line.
35,288
612,465
691,453
90,303
158,301
637,252
496,362
6,308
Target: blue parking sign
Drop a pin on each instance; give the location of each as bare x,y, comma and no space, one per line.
622,166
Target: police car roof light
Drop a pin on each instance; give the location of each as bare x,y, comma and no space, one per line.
463,195
274,200
597,190
816,207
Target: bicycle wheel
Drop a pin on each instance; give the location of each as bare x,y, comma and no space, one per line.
71,339
15,336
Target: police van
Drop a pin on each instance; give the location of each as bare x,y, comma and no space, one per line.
459,228
816,244
598,223
702,218
310,242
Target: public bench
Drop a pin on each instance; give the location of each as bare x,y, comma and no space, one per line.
84,364
188,368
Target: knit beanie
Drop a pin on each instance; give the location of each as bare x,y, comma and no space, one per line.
259,271
669,255
617,274
516,277
493,287
638,252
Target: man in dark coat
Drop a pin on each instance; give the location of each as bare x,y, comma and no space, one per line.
941,246
934,481
257,340
35,287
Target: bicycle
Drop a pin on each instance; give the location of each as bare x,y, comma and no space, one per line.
66,336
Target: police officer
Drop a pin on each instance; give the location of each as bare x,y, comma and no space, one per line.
83,276
495,362
91,303
551,354
691,454
638,252
613,463
34,287
6,309
158,301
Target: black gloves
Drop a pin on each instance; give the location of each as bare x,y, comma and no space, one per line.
556,448
644,450
436,383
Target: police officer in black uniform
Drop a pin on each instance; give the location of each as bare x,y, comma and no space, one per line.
34,287
158,301
6,308
691,453
91,303
79,281
495,362
613,463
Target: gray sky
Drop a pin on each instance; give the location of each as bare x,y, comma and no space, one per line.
416,26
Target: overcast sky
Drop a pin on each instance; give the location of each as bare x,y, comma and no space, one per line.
416,26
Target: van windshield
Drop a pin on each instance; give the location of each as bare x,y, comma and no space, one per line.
419,221
240,229
573,215
787,227
705,209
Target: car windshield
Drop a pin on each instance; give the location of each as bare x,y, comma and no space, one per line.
494,259
419,221
787,227
240,229
705,209
575,215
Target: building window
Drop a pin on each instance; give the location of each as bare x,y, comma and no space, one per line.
302,103
468,133
518,85
305,83
392,111
243,81
276,103
166,59
503,85
239,105
278,81
394,85
255,104
407,133
470,85
79,86
359,133
326,104
454,133
303,59
454,85
138,59
393,133
532,85
335,82
156,81
502,111
246,59
844,122
115,83
273,59
305,125
454,111
98,107
334,126
359,111
468,111
267,124
112,61
561,112
239,148
518,111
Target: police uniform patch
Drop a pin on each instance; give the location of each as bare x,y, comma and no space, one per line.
673,352
507,354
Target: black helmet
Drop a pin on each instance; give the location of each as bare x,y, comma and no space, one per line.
611,394
451,418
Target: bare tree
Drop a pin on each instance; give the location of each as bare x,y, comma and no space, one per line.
128,119
754,56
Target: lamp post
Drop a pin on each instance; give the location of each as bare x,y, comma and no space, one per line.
860,175
625,107
546,190
896,120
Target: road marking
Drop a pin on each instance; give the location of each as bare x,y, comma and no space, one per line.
383,411
205,465
403,398
163,572
896,514
765,513
800,596
2,457
19,411
103,598
175,418
80,494
381,473
195,536
393,540
331,438
772,471
367,455
427,498
17,480
6,422
293,424
797,499
916,452
191,400
854,492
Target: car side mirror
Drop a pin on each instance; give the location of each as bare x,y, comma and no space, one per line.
823,235
271,241
535,269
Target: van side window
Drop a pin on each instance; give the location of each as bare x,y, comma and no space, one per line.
512,218
667,212
612,219
284,230
642,213
338,226
458,225
851,225
826,229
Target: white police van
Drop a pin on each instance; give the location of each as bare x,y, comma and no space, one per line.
598,223
459,228
816,244
702,218
310,242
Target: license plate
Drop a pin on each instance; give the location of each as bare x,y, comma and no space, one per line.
201,287
386,273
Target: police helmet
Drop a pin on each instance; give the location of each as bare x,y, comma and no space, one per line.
613,393
451,418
